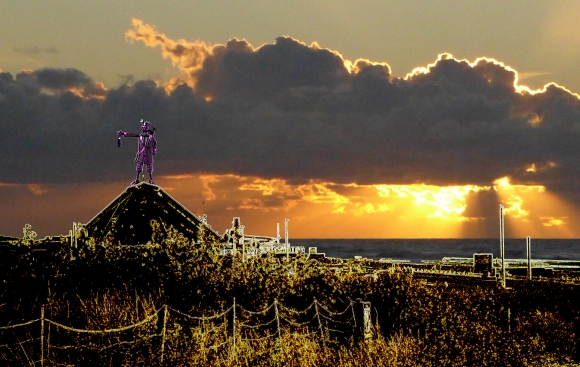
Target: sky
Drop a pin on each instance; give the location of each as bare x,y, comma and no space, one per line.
374,119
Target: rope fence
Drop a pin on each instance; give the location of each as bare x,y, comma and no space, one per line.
171,334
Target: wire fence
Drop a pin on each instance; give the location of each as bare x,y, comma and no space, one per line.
171,335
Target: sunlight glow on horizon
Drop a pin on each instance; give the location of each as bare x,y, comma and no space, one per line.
413,208
324,209
447,201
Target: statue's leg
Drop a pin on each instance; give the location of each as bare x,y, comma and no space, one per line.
139,169
150,170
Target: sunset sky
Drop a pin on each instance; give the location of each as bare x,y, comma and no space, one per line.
373,119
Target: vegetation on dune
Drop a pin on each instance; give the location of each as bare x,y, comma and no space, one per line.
107,285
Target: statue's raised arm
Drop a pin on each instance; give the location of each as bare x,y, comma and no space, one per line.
126,134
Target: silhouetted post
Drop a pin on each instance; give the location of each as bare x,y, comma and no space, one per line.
47,341
277,320
75,233
367,320
502,244
529,255
234,240
234,328
42,336
319,323
73,241
363,320
70,232
163,331
243,239
236,234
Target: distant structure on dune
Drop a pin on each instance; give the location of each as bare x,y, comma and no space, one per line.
144,214
132,217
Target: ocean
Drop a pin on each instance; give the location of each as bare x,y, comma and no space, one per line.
416,250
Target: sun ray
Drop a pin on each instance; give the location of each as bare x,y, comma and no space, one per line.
533,210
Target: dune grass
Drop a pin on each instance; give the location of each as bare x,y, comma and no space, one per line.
414,324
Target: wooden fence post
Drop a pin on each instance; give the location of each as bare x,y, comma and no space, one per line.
234,328
509,321
47,341
277,318
359,319
42,336
319,323
367,320
363,319
163,332
279,339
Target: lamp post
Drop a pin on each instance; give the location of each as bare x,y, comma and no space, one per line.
286,238
529,255
243,240
502,244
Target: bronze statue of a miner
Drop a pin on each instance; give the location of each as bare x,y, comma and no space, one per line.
146,149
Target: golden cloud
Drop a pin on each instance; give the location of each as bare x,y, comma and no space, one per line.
187,56
553,222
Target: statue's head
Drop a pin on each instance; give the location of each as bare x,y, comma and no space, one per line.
145,125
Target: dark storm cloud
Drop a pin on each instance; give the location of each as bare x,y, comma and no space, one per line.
239,70
294,111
